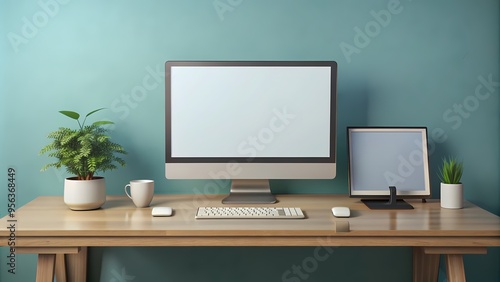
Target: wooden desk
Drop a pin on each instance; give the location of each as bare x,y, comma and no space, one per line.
61,237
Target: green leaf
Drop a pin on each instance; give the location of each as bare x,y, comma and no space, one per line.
71,114
451,171
85,150
94,111
102,122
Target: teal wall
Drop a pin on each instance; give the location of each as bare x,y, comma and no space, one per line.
427,63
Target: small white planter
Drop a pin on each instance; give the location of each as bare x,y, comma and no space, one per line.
452,196
83,195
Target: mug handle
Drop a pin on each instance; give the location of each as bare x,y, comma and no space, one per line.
126,192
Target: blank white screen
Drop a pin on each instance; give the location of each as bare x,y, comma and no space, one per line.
226,111
383,159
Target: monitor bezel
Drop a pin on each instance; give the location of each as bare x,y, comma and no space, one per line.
384,192
255,160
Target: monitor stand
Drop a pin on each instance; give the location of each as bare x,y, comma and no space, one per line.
392,204
250,191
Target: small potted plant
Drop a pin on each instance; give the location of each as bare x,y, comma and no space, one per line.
452,190
83,151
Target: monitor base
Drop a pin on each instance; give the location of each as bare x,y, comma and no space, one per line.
391,204
386,205
250,191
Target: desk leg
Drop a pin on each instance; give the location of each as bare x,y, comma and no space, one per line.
455,268
425,266
60,268
45,267
76,266
69,263
454,259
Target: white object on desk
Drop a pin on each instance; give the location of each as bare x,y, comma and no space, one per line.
161,211
341,211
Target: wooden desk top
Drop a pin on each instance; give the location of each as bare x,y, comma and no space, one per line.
48,221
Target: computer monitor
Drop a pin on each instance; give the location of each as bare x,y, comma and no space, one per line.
387,164
250,121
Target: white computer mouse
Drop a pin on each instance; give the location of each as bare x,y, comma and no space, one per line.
341,211
162,211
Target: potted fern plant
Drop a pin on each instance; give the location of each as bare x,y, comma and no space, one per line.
83,152
452,190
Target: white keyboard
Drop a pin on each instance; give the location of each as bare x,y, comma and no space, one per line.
249,213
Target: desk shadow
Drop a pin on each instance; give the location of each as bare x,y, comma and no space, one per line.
94,263
354,213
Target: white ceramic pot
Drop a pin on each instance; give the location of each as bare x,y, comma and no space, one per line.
452,196
83,195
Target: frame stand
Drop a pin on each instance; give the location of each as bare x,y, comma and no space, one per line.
250,191
392,204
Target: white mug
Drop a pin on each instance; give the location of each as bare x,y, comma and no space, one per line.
141,192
